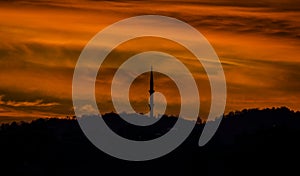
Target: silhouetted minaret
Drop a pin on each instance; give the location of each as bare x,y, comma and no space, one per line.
151,91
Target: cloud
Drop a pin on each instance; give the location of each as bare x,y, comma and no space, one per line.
37,103
29,110
258,44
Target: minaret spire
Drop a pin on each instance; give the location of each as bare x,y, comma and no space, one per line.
151,91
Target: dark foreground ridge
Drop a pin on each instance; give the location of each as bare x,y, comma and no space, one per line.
248,142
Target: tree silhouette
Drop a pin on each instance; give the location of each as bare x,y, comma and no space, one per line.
250,141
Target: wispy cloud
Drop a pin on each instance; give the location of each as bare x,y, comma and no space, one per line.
37,103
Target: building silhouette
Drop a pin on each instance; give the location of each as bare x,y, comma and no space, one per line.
151,91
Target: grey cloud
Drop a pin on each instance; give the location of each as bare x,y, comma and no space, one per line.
248,24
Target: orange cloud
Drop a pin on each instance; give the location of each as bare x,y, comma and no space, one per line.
40,41
37,103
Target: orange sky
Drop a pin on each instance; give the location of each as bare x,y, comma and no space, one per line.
40,42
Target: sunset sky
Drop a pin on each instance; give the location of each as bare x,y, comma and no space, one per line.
258,44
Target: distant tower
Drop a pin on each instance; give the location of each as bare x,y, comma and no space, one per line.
151,91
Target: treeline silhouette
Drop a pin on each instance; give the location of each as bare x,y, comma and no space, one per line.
248,142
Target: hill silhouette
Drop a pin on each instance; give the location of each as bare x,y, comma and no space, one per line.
248,142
